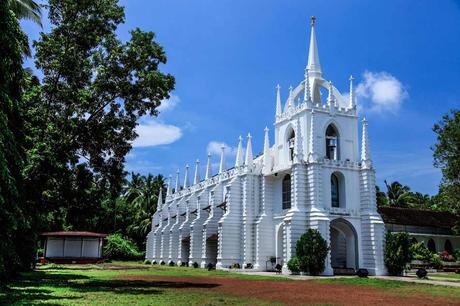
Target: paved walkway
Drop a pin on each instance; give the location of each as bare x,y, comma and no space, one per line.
437,281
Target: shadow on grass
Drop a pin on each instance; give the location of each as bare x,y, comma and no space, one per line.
36,287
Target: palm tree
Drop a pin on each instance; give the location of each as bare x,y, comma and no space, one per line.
27,9
142,195
398,195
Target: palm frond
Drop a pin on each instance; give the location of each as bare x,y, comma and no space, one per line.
27,9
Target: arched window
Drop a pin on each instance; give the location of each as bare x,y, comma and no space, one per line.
290,142
335,197
431,246
286,191
332,143
448,247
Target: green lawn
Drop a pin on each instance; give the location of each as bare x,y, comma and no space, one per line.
98,285
454,276
398,287
109,284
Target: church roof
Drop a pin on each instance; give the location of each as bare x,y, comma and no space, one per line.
417,217
74,233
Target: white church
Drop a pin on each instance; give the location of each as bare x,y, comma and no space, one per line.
313,176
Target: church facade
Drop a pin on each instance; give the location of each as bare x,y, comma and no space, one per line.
316,174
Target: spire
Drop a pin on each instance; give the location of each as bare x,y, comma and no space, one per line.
186,180
298,155
313,57
352,95
313,156
208,168
197,178
266,160
290,97
168,191
365,149
278,100
249,159
222,160
177,181
160,198
306,92
239,153
330,97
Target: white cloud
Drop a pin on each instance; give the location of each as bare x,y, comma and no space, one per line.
214,147
169,104
153,133
380,91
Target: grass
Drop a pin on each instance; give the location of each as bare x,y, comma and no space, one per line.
110,284
398,287
100,285
454,276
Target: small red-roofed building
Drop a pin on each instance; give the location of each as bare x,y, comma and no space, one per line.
73,247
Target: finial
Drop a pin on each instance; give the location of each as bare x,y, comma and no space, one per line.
208,174
266,159
278,100
290,96
249,158
313,20
239,153
222,166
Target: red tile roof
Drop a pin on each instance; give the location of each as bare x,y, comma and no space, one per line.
418,217
74,233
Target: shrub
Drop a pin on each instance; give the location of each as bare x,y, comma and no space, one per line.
147,262
311,251
171,263
397,253
278,268
249,266
445,256
236,266
195,265
419,252
162,263
154,262
457,254
183,264
116,247
362,273
436,261
421,273
210,266
294,265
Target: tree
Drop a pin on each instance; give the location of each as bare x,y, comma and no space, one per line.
311,252
142,196
398,195
26,9
446,153
81,120
15,251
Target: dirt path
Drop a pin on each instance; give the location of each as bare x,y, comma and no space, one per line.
294,292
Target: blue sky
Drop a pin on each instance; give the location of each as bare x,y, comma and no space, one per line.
227,57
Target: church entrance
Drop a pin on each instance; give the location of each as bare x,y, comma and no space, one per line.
280,245
344,247
211,249
185,249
